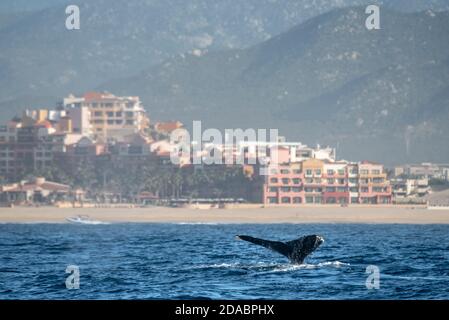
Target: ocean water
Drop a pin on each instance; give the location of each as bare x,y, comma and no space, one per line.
196,261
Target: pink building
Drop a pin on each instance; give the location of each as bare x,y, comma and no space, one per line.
315,181
284,185
374,186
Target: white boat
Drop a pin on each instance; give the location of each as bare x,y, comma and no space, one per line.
83,219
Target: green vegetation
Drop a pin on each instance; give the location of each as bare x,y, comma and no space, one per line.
165,181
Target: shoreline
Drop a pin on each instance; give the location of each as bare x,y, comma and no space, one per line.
268,215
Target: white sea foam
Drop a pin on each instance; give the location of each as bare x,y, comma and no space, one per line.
273,267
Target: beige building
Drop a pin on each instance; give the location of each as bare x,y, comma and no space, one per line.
109,116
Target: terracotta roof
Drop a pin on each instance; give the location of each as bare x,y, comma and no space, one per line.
44,124
93,96
147,195
168,126
369,162
163,153
89,96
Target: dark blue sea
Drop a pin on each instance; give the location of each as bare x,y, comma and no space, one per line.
197,261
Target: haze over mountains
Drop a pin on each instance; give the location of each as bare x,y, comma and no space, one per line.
380,95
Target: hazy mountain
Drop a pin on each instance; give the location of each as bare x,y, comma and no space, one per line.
380,95
41,61
322,61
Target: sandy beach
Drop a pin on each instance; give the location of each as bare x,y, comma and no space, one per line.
321,214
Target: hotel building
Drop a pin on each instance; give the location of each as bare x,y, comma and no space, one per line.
105,116
315,181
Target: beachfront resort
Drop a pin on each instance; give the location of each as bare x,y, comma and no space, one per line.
103,149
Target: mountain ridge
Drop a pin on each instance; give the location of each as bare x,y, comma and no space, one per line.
379,83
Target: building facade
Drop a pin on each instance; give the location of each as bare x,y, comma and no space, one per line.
106,116
315,181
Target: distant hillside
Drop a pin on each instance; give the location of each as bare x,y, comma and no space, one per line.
381,95
40,60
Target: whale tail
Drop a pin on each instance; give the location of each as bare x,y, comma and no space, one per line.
296,250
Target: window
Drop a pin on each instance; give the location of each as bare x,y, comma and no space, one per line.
309,199
331,181
110,121
318,200
377,189
98,114
354,200
273,200
296,181
364,189
118,121
376,171
297,200
353,171
119,114
341,172
285,189
309,180
129,114
286,200
308,189
296,171
353,189
285,180
330,189
331,200
308,172
285,171
110,114
378,180
296,189
273,171
273,189
330,172
364,172
274,180
341,181
352,180
341,189
318,172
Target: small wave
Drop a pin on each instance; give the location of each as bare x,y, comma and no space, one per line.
273,267
290,267
337,264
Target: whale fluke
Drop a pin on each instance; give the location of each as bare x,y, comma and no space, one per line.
296,250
